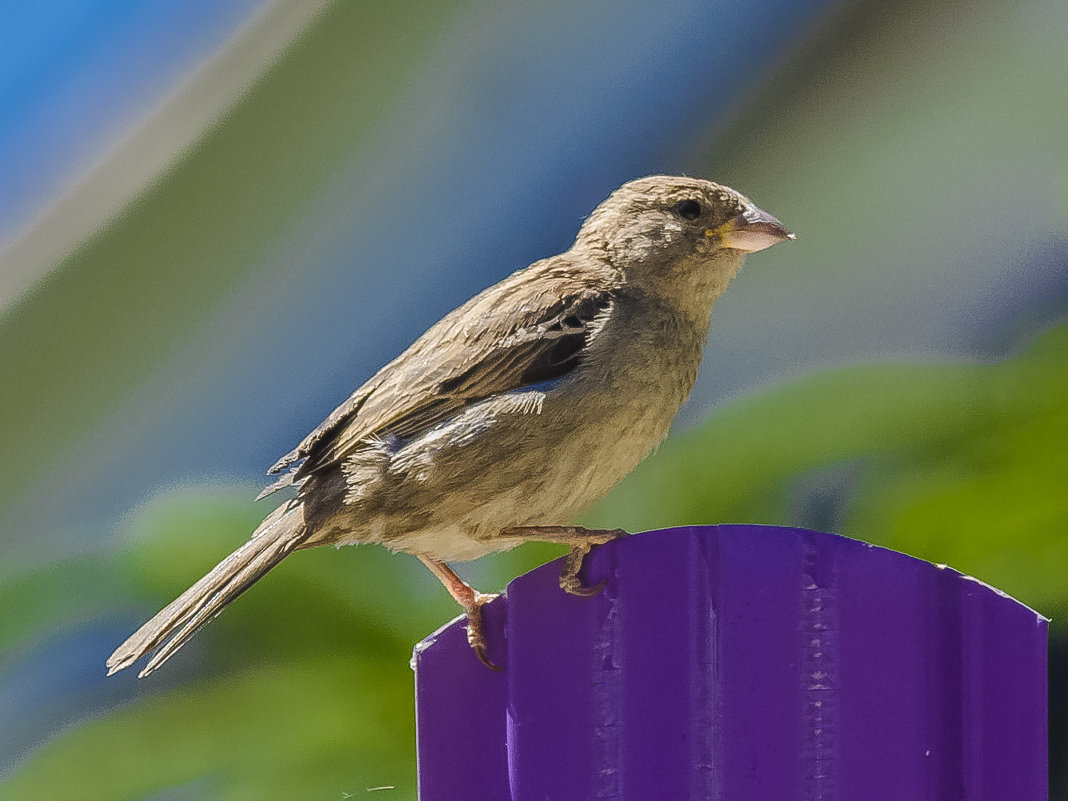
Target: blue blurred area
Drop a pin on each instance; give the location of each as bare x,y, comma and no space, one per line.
56,682
75,75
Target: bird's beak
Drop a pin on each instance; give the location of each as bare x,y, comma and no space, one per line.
752,230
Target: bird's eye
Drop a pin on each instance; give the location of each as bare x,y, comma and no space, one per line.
687,209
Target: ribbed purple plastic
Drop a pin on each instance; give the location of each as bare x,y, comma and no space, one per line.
740,663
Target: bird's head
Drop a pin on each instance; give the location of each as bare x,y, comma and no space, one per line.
679,236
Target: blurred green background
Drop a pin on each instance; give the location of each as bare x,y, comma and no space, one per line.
220,218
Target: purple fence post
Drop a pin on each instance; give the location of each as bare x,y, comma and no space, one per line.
740,663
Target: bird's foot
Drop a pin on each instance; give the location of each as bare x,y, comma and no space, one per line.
472,602
581,541
569,576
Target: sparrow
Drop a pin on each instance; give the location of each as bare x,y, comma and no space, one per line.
512,414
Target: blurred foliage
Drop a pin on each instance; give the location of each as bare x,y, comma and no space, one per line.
306,727
307,693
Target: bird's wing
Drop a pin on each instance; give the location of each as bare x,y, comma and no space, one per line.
530,328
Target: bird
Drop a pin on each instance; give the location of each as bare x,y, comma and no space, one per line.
512,414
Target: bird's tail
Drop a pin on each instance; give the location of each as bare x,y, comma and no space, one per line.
279,534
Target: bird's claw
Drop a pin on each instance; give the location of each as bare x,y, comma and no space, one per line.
569,576
476,635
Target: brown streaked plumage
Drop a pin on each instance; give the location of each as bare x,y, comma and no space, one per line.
506,339
511,414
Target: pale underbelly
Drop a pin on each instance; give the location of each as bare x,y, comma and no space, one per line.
465,498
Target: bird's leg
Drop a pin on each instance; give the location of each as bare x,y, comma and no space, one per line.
581,541
470,599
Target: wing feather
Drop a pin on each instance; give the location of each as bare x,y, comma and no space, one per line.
503,339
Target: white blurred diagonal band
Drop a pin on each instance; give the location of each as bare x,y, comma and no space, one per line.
166,131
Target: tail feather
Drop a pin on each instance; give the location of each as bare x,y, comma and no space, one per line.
278,535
